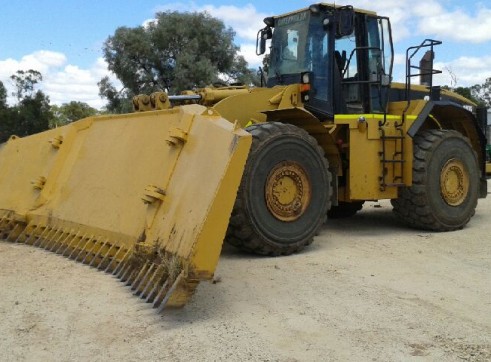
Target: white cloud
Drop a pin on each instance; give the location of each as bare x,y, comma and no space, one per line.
246,21
432,18
459,25
399,12
40,60
248,51
464,71
62,82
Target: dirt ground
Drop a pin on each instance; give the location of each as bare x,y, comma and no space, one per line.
368,289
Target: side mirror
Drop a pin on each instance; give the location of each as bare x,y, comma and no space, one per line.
262,36
346,21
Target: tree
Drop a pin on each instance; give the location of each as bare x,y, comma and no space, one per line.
3,96
7,123
478,93
469,94
70,112
118,101
32,112
482,92
175,52
4,114
25,81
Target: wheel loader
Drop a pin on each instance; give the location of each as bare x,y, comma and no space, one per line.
152,195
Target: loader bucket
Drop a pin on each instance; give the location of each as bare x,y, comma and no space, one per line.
144,196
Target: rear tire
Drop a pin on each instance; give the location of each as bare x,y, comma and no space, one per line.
285,192
445,187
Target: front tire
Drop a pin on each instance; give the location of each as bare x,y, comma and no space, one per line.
285,192
445,187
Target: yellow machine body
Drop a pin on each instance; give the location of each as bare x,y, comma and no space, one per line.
377,147
146,196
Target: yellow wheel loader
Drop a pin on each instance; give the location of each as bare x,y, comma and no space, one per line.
151,196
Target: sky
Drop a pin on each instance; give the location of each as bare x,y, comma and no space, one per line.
63,39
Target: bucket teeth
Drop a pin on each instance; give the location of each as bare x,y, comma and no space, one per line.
43,240
37,240
82,250
76,246
122,264
15,229
149,291
140,286
28,233
112,259
52,239
6,227
165,293
89,252
152,275
70,240
59,243
98,261
133,283
157,280
125,272
51,246
158,293
99,253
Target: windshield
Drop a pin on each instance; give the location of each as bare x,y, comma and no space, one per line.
301,44
289,53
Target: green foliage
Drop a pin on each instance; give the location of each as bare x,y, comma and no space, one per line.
70,112
175,52
3,96
24,82
7,123
31,115
482,92
469,94
118,102
32,112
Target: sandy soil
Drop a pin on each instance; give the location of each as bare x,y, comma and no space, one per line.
368,289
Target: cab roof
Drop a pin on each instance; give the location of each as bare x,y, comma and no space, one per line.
334,6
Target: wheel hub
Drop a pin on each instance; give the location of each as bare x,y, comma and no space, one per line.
454,182
287,191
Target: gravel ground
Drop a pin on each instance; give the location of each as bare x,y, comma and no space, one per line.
368,289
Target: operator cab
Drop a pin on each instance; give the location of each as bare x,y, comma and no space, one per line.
344,55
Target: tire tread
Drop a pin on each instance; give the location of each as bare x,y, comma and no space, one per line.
412,205
240,232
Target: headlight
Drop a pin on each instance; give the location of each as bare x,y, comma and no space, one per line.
306,78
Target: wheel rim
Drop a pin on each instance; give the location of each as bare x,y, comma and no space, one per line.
454,182
287,191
